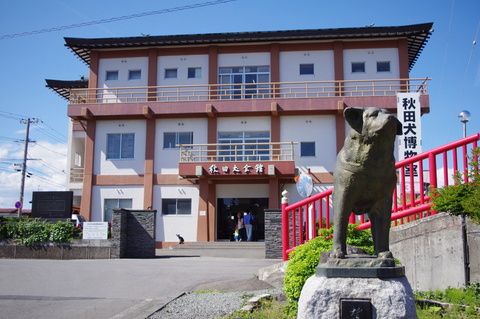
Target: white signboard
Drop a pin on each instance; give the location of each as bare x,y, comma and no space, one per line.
410,142
95,230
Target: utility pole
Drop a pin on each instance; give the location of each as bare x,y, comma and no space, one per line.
24,164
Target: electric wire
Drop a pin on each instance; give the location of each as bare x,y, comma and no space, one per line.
114,19
49,149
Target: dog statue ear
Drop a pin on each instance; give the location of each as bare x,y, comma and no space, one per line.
399,127
354,117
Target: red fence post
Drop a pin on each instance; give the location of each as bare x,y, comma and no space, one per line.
285,226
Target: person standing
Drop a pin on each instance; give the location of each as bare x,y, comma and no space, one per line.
240,226
248,221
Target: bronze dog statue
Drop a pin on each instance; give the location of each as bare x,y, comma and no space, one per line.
365,177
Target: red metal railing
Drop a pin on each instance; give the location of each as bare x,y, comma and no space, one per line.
432,169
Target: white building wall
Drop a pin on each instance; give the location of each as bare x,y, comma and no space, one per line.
311,128
242,190
134,166
322,61
122,65
182,63
166,159
170,225
244,59
243,124
100,193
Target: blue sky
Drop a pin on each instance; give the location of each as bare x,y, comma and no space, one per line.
450,59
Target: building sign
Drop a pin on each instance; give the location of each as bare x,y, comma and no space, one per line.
236,169
95,230
52,204
410,142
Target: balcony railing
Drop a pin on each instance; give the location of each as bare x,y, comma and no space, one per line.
237,152
76,175
242,91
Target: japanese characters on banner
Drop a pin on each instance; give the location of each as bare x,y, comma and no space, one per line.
234,169
410,142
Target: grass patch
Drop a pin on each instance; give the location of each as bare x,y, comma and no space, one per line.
207,291
267,309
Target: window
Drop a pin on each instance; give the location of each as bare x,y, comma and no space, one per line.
170,73
358,67
256,150
134,74
171,139
120,146
176,206
111,76
307,149
114,203
194,73
244,82
306,69
383,66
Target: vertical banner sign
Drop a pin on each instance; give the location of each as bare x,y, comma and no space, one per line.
410,142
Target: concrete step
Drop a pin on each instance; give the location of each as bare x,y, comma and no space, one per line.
216,249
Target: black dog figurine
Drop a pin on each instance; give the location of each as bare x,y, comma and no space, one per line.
180,238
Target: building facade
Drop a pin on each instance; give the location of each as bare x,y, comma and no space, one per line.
200,127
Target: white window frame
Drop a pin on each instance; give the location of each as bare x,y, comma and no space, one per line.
117,206
389,67
177,139
304,64
314,149
111,72
120,150
364,67
176,206
197,72
135,70
170,77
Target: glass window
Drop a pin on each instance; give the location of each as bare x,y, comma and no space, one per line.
307,148
358,67
111,76
171,139
170,73
306,69
194,73
120,146
234,147
383,66
244,82
134,74
109,204
176,206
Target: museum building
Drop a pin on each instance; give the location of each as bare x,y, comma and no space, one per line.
202,126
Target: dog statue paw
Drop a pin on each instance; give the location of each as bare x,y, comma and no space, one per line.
337,253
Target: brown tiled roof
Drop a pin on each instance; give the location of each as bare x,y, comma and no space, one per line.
417,35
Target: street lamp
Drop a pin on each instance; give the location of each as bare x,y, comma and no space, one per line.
464,117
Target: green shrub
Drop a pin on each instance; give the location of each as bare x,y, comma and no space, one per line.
461,198
62,232
31,231
305,258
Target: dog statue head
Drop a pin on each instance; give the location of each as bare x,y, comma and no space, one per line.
372,121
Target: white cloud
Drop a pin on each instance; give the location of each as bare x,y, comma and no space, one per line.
48,166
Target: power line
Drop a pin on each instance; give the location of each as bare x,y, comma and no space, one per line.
18,116
49,149
43,131
114,19
54,130
50,167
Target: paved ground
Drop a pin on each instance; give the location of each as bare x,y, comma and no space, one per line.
121,288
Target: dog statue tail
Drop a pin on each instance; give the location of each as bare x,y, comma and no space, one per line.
181,240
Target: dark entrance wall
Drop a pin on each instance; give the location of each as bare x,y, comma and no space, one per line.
228,207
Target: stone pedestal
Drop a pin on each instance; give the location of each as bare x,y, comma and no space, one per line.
358,288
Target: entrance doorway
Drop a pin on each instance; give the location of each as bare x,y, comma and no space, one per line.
227,209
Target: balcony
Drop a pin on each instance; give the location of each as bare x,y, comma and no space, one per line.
245,91
237,159
76,174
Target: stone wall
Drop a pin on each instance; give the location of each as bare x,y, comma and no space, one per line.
431,249
273,233
133,233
